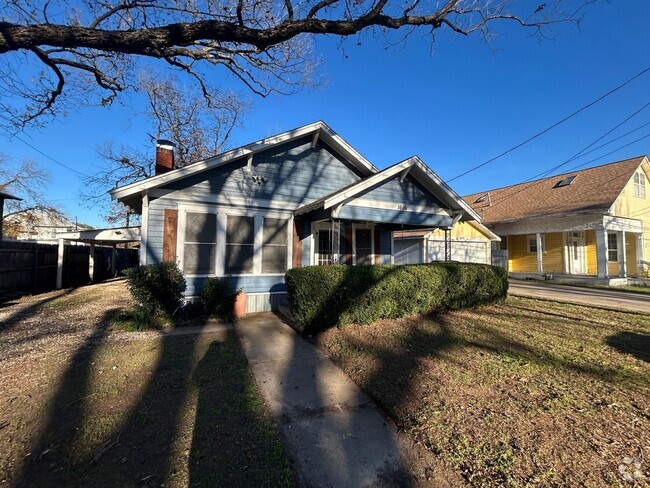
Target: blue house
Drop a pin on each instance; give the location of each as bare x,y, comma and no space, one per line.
300,198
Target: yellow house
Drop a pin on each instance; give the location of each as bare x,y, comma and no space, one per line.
592,222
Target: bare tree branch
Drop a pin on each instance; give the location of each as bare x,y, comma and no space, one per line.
267,44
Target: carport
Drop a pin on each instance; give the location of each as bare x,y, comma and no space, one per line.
94,237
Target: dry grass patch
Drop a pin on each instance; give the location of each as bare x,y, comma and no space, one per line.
527,392
84,405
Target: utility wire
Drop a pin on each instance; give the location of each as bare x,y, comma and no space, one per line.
51,158
537,181
498,156
581,153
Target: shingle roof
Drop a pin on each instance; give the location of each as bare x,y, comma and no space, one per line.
593,191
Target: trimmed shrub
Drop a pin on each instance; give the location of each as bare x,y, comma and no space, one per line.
325,296
156,288
217,298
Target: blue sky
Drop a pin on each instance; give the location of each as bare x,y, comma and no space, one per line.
455,105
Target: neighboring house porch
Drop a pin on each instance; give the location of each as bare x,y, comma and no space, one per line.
606,247
593,222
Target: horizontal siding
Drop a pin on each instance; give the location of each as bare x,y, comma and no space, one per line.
553,257
630,254
155,228
249,284
590,250
519,259
294,172
384,244
407,192
393,216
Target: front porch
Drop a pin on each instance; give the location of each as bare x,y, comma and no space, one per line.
608,249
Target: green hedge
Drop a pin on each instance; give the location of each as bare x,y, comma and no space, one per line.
155,288
325,296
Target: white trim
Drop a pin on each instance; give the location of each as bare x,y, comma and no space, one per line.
222,223
212,208
221,214
370,181
362,202
370,227
326,133
392,247
144,228
257,243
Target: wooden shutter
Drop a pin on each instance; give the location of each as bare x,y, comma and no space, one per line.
297,243
170,233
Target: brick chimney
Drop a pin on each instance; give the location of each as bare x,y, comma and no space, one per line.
164,156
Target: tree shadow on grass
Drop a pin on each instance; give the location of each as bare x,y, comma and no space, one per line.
51,455
634,343
234,443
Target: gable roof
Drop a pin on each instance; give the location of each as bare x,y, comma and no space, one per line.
412,165
318,130
594,190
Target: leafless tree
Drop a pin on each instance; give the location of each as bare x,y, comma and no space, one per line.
176,112
26,180
266,44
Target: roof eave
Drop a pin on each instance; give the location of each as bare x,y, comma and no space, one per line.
326,133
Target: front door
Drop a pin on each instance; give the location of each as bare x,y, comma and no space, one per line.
576,244
363,246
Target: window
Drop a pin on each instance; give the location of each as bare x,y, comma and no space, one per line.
200,243
275,245
482,198
324,247
612,248
639,184
532,244
240,235
566,181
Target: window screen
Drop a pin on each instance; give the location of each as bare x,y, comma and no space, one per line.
240,234
612,248
275,245
200,243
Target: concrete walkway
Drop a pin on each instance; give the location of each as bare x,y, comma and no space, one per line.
333,433
615,300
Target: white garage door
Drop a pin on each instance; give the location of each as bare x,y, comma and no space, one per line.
408,251
463,251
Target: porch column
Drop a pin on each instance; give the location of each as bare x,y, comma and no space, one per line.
59,265
113,259
639,252
91,263
622,257
601,253
540,267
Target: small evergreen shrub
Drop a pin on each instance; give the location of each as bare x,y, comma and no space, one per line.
217,298
156,289
325,296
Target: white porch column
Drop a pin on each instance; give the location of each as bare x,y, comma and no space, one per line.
540,267
91,263
639,251
113,259
622,254
601,253
144,235
59,265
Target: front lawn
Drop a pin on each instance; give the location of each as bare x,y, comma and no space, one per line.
83,405
526,392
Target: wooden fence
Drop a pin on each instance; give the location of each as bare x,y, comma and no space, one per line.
28,267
